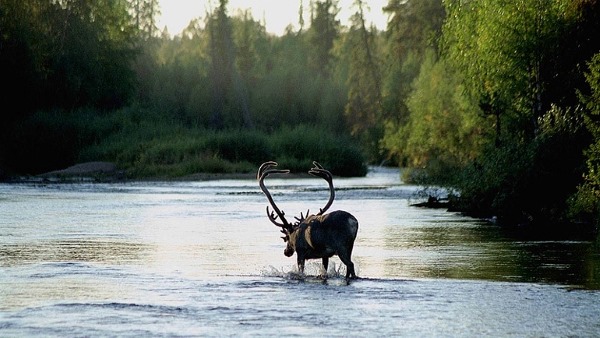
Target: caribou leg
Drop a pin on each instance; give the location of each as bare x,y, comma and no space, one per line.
325,264
301,266
349,266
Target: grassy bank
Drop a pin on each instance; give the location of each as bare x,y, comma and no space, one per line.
148,145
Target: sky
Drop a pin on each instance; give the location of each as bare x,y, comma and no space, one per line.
278,14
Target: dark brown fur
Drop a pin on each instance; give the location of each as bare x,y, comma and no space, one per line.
322,236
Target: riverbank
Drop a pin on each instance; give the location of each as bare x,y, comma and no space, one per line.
108,172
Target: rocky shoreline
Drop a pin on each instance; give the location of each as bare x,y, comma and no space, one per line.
82,172
107,172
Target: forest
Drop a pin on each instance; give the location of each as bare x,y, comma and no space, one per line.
498,101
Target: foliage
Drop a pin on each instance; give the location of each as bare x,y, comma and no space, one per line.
507,51
511,55
297,147
56,56
229,95
363,109
513,181
49,140
324,30
145,14
229,63
147,145
585,203
66,53
229,73
413,27
443,132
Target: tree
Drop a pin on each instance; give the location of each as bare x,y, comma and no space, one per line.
94,44
443,132
144,13
229,95
586,202
60,56
414,26
502,47
252,47
324,30
516,57
24,52
72,53
363,107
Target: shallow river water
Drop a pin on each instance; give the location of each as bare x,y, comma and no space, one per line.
201,259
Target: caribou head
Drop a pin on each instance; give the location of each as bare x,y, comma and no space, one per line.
313,236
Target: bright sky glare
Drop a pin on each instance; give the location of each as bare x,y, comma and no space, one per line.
278,14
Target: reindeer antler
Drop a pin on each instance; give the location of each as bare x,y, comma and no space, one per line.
319,171
265,170
277,216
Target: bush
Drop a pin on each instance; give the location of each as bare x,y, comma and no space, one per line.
296,149
147,145
50,140
512,181
239,146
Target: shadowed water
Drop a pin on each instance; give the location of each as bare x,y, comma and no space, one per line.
201,259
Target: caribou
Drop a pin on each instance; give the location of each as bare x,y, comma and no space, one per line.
313,236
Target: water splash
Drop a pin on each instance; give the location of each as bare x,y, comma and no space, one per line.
311,270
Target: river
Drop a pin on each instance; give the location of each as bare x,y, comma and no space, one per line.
188,259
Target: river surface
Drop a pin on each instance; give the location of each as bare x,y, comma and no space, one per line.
187,259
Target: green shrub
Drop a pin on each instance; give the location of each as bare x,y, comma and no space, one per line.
296,149
237,146
148,144
189,150
512,180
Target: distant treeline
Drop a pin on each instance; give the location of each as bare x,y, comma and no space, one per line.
498,100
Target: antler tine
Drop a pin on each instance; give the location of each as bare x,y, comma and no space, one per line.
273,218
302,217
286,233
265,166
317,165
319,171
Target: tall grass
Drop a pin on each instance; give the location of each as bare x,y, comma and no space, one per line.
148,145
295,148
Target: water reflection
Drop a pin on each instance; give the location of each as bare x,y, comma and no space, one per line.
75,250
478,250
565,262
